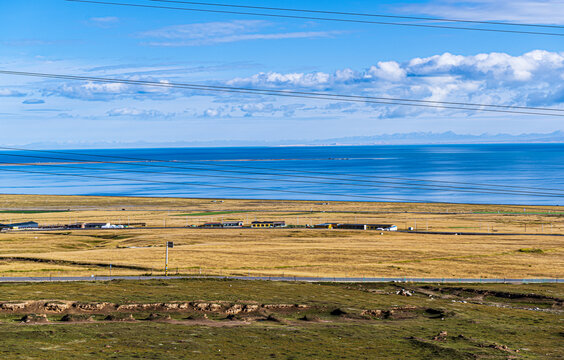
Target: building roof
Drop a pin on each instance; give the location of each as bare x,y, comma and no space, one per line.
267,222
22,224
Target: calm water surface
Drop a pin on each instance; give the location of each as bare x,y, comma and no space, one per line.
508,173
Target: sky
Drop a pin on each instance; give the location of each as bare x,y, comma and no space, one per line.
165,45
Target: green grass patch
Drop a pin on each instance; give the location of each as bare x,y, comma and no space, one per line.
31,211
531,251
471,330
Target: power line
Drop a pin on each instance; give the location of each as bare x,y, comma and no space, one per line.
402,185
189,85
310,95
361,14
217,186
227,187
272,169
318,18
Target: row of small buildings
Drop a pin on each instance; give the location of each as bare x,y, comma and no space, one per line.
33,225
281,224
379,227
239,224
210,225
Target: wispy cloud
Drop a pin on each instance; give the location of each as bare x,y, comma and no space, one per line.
523,11
105,21
33,101
34,42
223,32
138,113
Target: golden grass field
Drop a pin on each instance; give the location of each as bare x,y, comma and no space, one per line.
290,252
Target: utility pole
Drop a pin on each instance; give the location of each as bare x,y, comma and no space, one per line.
169,244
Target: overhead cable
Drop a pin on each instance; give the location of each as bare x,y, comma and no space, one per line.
375,184
524,110
318,18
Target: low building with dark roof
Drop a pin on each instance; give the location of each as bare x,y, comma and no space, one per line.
379,227
268,224
22,225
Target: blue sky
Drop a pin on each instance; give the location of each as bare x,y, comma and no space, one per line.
241,50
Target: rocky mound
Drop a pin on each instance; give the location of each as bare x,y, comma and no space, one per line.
34,319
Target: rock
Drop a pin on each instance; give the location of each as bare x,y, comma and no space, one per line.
371,313
279,306
13,306
251,308
55,307
235,309
91,306
338,312
34,318
183,306
215,307
127,317
155,317
201,306
127,307
441,336
207,306
404,292
76,318
309,318
175,306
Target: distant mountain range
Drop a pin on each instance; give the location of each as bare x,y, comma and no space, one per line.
413,138
448,137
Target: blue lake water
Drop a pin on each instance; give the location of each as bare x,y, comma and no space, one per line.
500,173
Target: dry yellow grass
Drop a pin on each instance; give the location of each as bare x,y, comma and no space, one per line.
299,252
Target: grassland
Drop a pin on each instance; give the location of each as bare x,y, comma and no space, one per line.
227,319
290,252
128,320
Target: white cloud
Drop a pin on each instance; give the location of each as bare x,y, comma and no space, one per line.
10,93
133,112
315,79
107,91
492,77
531,79
211,113
222,32
538,65
288,110
498,66
389,70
